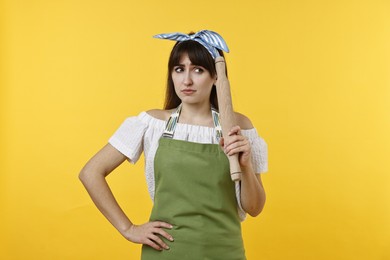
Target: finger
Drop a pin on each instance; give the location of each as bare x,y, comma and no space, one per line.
221,142
235,137
235,140
163,233
235,130
243,146
159,241
162,224
236,150
234,146
245,149
152,244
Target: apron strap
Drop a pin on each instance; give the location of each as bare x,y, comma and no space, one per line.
170,126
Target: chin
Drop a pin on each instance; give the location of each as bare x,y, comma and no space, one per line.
188,99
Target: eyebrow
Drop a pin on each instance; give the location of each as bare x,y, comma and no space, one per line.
180,64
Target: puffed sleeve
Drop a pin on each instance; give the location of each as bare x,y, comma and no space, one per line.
259,150
128,138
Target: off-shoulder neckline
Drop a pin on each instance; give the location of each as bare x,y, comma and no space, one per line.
161,121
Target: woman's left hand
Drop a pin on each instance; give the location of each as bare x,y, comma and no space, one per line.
238,144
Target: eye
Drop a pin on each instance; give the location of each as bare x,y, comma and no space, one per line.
199,69
178,69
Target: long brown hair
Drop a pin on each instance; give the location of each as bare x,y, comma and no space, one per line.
198,55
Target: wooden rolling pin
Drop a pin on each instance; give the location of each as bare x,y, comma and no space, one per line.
227,116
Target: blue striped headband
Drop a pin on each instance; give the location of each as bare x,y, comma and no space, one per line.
209,39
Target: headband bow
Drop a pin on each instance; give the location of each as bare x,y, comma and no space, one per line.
209,39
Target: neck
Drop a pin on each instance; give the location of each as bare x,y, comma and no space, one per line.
196,114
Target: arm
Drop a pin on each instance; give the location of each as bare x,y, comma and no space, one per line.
252,190
93,178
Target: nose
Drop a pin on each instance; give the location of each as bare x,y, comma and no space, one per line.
187,80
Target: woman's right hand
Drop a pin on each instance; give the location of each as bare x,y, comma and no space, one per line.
148,234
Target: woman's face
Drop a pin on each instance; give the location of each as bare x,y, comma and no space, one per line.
192,83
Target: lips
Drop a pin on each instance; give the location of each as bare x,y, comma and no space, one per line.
188,91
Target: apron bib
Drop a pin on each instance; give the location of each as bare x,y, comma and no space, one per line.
194,193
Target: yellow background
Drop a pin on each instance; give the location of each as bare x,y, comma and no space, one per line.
313,76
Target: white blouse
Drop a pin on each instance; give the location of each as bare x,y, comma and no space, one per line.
142,132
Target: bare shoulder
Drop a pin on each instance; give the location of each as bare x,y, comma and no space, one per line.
159,113
243,121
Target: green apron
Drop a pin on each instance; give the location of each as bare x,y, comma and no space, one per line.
194,193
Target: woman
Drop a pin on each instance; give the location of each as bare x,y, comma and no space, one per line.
197,208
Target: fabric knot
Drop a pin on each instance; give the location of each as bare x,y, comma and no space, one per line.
208,39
